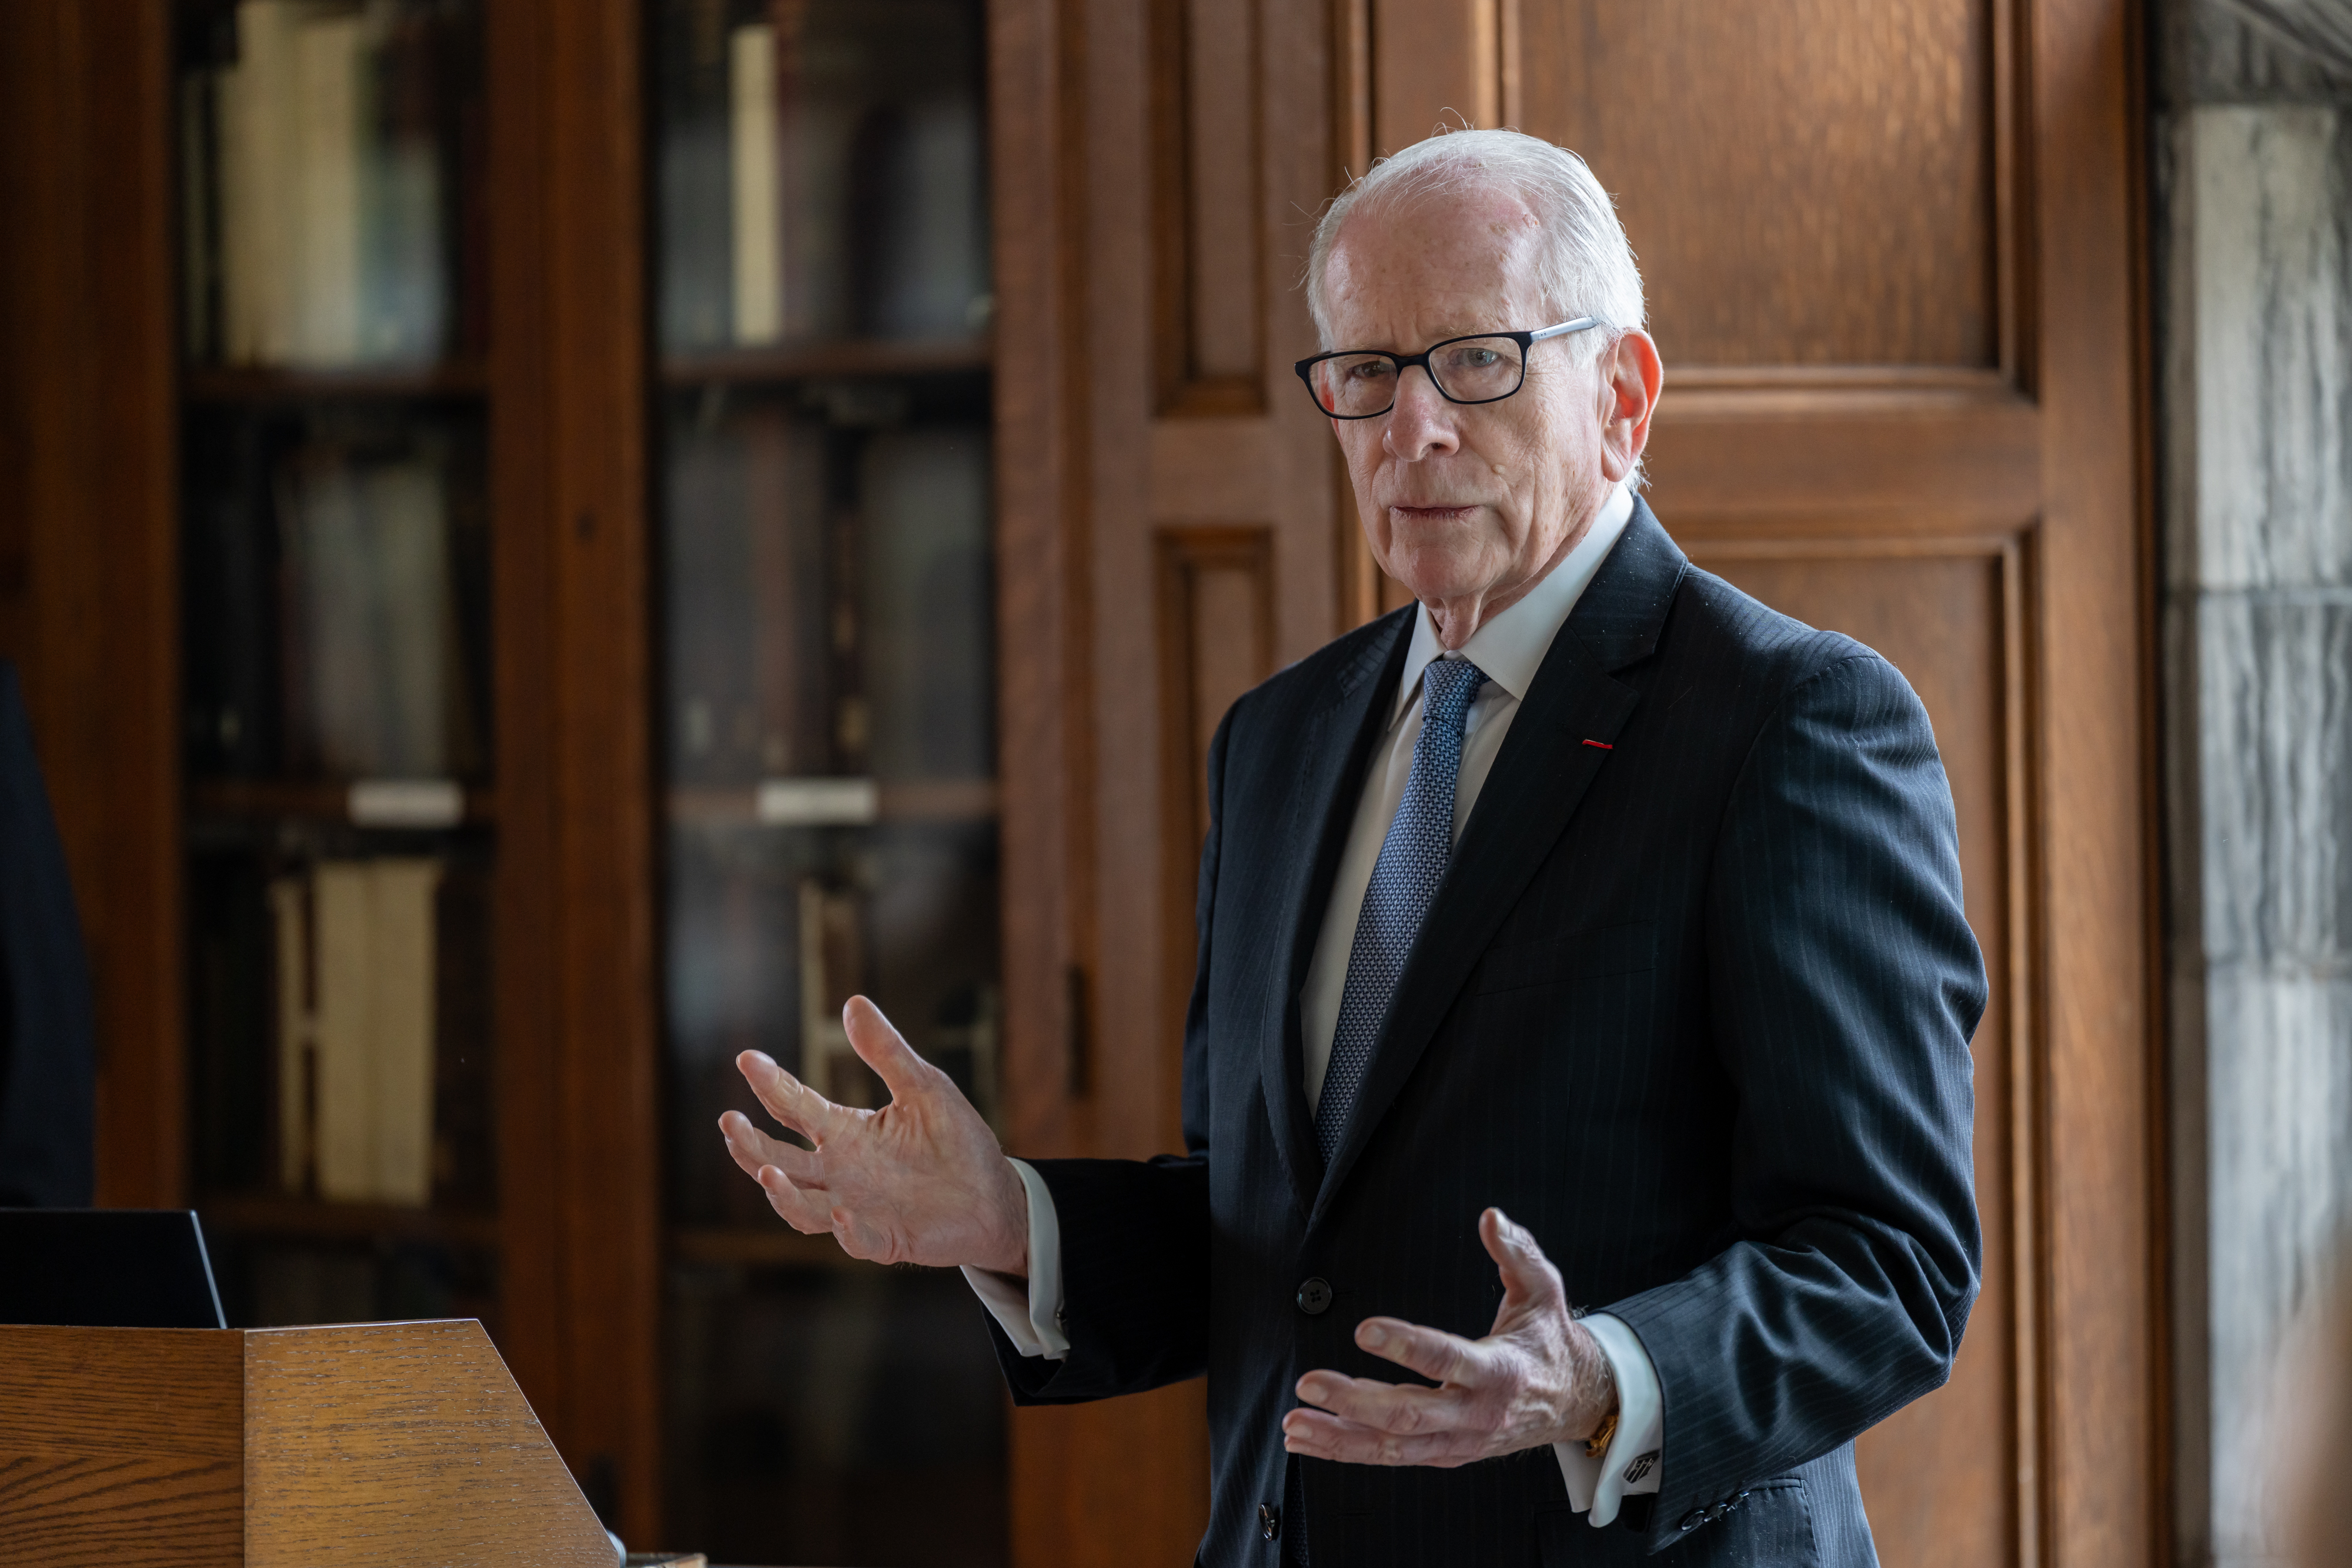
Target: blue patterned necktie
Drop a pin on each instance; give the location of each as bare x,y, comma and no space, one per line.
1411,863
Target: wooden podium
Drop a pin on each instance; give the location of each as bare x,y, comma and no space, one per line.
374,1443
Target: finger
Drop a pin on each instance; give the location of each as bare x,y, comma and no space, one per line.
1318,1436
882,1048
1527,1273
1386,1407
788,1100
751,1148
1432,1353
804,1212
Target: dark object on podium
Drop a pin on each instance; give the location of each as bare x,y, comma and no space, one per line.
365,1446
106,1268
47,1058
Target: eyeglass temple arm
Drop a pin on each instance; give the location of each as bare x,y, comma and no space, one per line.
1580,324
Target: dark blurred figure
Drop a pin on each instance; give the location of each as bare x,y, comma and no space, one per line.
47,1066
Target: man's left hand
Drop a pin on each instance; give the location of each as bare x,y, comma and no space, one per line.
1538,1378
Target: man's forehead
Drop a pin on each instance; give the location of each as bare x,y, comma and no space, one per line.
1462,252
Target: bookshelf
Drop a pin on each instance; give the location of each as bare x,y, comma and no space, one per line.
582,828
339,740
827,734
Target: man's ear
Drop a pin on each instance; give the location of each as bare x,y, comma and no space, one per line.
1632,375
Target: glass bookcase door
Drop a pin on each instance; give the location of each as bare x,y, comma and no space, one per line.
338,736
828,732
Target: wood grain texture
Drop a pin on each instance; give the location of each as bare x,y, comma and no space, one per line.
578,1060
402,1444
88,595
1215,612
1208,306
609,1078
1858,232
121,1446
2095,584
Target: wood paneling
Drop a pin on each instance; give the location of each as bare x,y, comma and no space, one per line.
1208,289
1809,182
1216,640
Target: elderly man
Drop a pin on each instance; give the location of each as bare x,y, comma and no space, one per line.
1586,934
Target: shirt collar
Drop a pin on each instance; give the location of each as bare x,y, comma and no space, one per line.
1511,647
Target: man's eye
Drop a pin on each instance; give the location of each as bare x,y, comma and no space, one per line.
1369,370
1477,359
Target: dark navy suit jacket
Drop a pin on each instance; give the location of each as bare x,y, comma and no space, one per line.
1693,1004
46,1030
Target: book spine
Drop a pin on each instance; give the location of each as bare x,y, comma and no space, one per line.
402,991
253,196
696,190
344,908
926,597
784,498
751,147
404,302
325,150
404,516
290,917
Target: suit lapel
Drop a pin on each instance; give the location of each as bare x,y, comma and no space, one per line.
1335,743
1537,782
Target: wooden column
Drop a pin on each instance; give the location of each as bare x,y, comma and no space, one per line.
579,1163
88,588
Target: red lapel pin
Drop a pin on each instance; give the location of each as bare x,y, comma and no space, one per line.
1602,745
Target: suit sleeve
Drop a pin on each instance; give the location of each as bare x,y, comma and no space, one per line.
47,1053
1846,985
1135,1234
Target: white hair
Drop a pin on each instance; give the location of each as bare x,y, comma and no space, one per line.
1586,268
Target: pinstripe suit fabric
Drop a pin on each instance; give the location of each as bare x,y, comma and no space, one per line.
1693,1004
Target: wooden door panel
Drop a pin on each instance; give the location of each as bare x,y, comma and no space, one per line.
1946,614
1806,183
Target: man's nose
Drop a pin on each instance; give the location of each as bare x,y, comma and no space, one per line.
1421,422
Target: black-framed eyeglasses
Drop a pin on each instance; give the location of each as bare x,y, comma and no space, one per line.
1488,367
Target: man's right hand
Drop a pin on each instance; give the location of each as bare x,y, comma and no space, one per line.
919,1181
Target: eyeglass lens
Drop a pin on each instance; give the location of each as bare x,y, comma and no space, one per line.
1473,370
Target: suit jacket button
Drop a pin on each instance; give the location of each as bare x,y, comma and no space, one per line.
1269,1521
1693,1519
1315,1297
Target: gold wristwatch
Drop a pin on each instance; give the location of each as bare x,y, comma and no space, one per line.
1597,1445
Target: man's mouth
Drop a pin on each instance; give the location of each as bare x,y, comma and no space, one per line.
1432,513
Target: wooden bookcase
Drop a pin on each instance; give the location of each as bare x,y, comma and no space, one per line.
569,393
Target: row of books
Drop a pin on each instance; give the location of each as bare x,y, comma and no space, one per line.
821,171
829,601
326,221
336,595
341,1010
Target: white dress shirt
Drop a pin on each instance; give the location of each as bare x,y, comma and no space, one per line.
1509,649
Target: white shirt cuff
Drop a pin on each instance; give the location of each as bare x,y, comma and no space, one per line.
1032,1320
1631,1465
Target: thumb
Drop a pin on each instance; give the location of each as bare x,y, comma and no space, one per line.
1525,1271
883,1048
